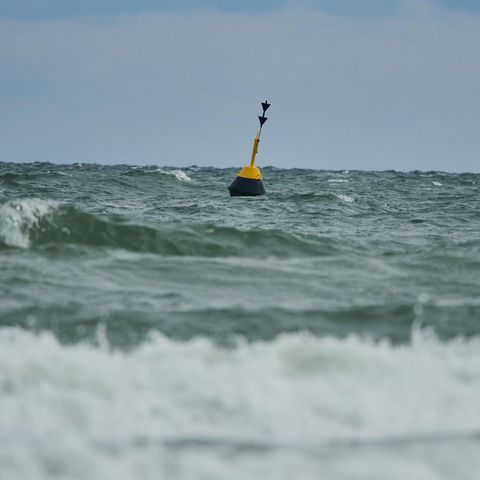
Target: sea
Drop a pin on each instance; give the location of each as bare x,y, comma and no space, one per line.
153,327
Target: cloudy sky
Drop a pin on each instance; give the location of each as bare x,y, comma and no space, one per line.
372,84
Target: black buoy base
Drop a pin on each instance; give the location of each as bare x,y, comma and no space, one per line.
246,187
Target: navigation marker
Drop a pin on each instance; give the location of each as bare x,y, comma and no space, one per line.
249,180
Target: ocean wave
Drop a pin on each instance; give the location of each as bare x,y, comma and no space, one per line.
180,175
14,177
319,406
142,172
19,217
345,198
320,197
338,180
32,222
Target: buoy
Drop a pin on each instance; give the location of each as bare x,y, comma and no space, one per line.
249,180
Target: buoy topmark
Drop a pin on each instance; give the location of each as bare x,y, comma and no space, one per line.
249,180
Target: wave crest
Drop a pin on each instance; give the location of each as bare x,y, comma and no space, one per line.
180,175
172,403
35,223
19,217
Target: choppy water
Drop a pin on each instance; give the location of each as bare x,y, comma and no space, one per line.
153,327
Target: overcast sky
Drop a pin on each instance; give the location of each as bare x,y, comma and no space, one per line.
372,84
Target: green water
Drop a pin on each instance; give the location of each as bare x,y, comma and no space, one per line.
329,252
244,324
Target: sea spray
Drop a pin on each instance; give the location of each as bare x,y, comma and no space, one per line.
301,395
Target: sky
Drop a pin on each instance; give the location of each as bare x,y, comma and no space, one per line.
370,85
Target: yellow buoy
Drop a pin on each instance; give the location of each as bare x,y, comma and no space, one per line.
249,180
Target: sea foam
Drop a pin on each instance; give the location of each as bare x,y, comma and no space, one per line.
345,198
338,180
180,175
321,407
17,217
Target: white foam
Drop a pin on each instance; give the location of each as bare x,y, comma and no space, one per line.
180,175
437,184
338,180
17,217
84,412
345,198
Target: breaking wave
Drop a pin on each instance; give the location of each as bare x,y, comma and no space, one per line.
18,218
321,405
180,175
35,223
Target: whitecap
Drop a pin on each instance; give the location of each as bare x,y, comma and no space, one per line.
252,388
17,217
345,198
117,410
338,180
193,398
437,184
180,175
